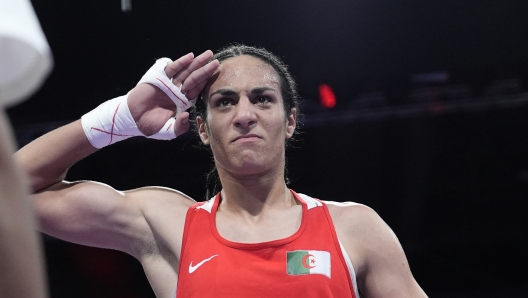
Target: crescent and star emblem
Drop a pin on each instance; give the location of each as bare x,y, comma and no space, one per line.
306,261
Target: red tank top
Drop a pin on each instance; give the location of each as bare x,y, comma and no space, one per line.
309,263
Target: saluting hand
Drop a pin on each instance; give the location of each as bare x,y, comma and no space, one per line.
151,107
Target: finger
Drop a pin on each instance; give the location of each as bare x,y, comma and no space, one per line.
182,123
197,62
195,83
176,66
193,93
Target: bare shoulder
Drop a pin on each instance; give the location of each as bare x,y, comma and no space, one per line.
353,216
376,253
164,211
346,208
363,231
362,228
156,197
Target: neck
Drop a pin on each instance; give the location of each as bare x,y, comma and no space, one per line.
254,194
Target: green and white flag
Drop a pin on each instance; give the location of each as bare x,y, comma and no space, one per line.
302,262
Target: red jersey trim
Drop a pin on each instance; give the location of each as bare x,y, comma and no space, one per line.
188,218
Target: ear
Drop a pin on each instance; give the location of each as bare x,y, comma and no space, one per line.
291,123
202,130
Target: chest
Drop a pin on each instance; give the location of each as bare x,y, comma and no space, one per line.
308,257
267,272
275,225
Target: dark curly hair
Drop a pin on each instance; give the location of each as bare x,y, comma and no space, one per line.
289,94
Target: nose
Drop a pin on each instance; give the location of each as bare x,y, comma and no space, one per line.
245,116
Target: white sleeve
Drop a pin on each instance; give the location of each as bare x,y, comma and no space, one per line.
25,56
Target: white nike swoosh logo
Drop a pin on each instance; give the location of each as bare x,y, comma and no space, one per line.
193,268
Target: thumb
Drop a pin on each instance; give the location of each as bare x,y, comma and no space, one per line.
182,123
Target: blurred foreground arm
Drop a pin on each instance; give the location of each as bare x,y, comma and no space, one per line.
21,264
25,61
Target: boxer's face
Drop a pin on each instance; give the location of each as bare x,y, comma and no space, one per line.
246,125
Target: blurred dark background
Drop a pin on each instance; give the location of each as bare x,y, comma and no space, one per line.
430,124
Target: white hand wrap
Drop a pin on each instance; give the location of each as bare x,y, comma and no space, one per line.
112,121
156,76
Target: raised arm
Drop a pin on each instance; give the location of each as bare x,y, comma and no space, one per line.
93,213
47,159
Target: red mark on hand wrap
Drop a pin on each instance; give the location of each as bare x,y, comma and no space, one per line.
111,132
172,92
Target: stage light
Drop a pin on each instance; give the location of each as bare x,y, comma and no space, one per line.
326,96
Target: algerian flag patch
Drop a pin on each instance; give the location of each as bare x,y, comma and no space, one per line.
301,262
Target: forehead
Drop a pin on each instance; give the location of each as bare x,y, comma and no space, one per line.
244,72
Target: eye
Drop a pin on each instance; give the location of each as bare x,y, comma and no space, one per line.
223,102
262,99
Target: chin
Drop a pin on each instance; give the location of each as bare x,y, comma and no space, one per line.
250,162
253,167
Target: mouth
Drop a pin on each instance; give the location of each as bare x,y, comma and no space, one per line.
246,138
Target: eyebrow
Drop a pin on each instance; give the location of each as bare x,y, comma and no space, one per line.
254,91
